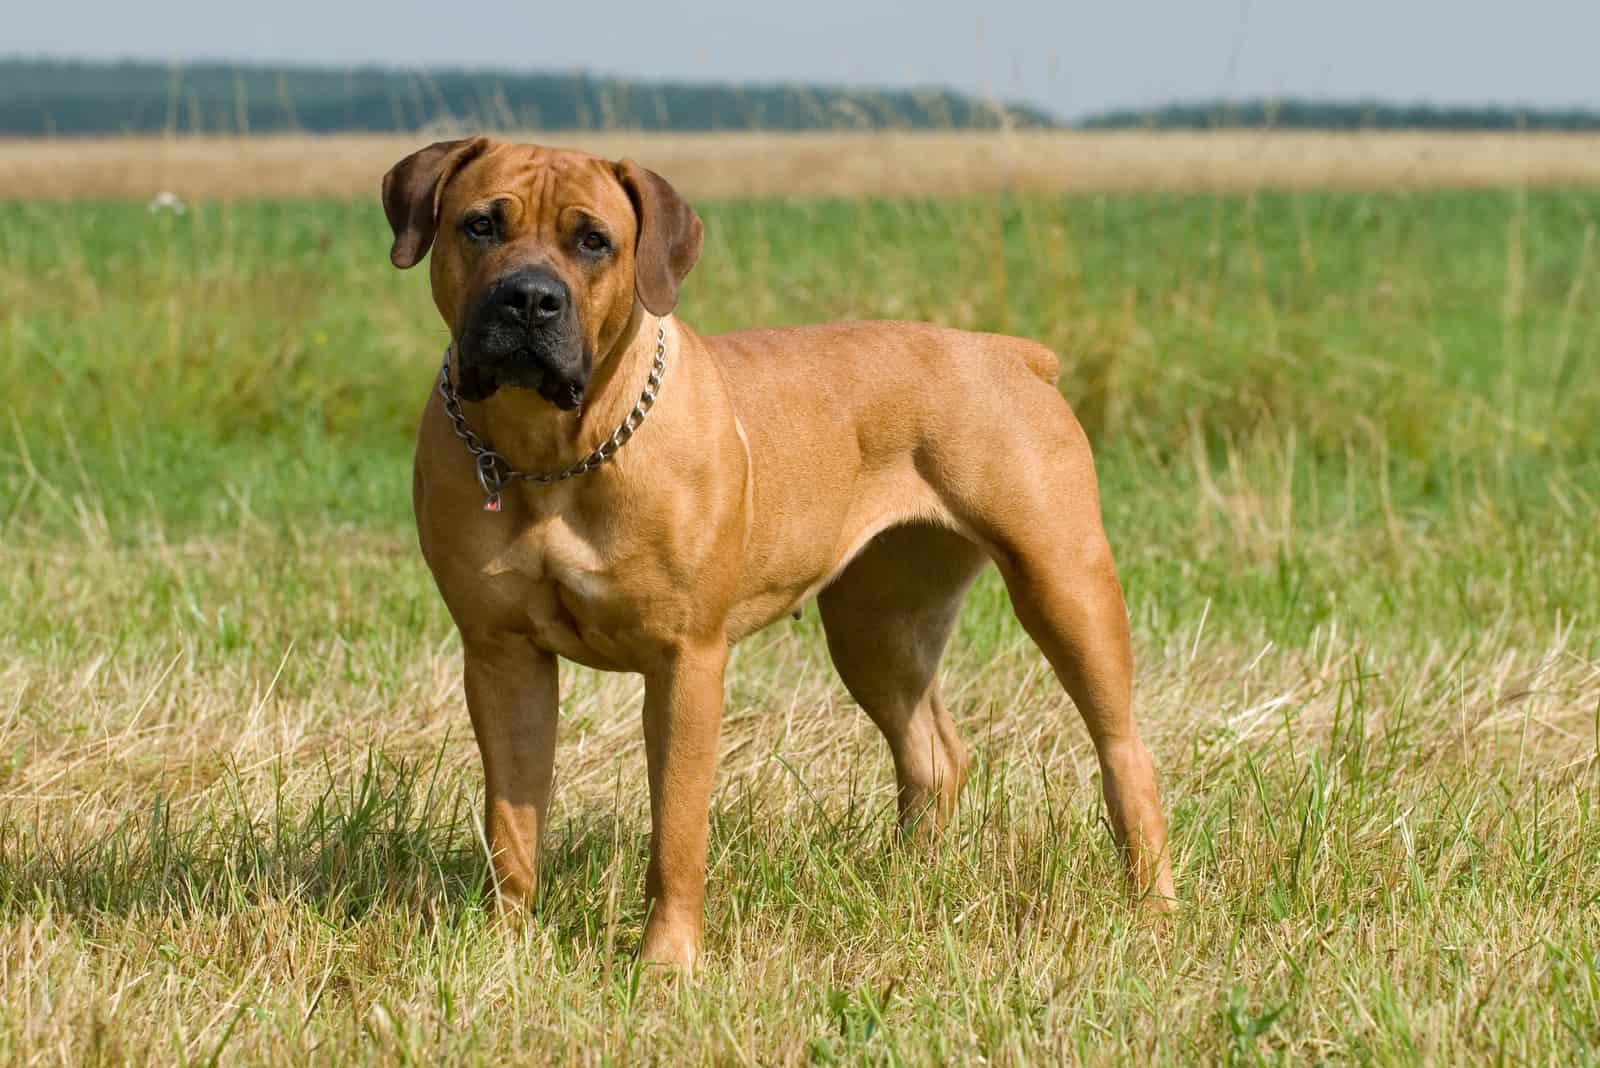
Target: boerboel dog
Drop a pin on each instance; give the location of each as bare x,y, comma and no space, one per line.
596,481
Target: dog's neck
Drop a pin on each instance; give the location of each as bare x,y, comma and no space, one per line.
534,435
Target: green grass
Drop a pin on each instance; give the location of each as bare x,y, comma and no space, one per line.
1348,452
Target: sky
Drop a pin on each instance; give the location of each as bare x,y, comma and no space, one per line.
1071,58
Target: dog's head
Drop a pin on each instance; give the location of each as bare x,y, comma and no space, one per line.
541,257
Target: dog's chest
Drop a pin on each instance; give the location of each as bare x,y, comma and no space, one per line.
567,591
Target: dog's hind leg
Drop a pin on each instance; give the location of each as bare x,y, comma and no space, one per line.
887,617
1042,525
1071,604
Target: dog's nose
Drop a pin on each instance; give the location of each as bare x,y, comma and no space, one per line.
536,297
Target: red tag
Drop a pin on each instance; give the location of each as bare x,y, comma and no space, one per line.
492,504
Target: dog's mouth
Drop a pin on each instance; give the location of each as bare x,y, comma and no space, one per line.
482,376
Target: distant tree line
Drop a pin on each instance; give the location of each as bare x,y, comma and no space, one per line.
66,97
1336,115
42,97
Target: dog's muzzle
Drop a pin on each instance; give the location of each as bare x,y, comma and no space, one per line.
524,334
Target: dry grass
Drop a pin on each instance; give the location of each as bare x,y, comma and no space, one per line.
262,841
835,164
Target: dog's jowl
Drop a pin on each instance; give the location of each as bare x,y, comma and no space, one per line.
596,481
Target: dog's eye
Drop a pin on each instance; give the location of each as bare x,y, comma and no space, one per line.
595,241
480,226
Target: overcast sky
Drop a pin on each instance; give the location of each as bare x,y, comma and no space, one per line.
1068,56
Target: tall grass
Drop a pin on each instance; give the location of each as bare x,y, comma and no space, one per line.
1347,453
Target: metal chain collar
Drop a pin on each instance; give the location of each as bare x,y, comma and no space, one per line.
494,471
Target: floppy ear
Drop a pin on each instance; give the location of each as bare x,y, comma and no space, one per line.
411,194
669,237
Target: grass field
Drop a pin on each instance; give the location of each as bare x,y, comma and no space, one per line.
1349,455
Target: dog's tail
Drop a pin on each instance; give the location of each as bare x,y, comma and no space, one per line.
1040,360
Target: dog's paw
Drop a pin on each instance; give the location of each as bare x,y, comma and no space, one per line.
1155,903
671,946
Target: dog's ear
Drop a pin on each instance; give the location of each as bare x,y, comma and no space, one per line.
669,236
412,190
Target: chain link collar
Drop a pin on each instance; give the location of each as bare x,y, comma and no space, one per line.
494,471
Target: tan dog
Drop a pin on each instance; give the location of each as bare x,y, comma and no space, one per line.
875,466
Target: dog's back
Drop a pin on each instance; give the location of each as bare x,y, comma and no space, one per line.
859,352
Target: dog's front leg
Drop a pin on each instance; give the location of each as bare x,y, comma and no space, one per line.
682,717
513,697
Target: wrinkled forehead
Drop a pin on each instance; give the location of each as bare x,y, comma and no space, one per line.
543,180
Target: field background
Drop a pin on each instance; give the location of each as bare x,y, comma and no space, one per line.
1348,453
